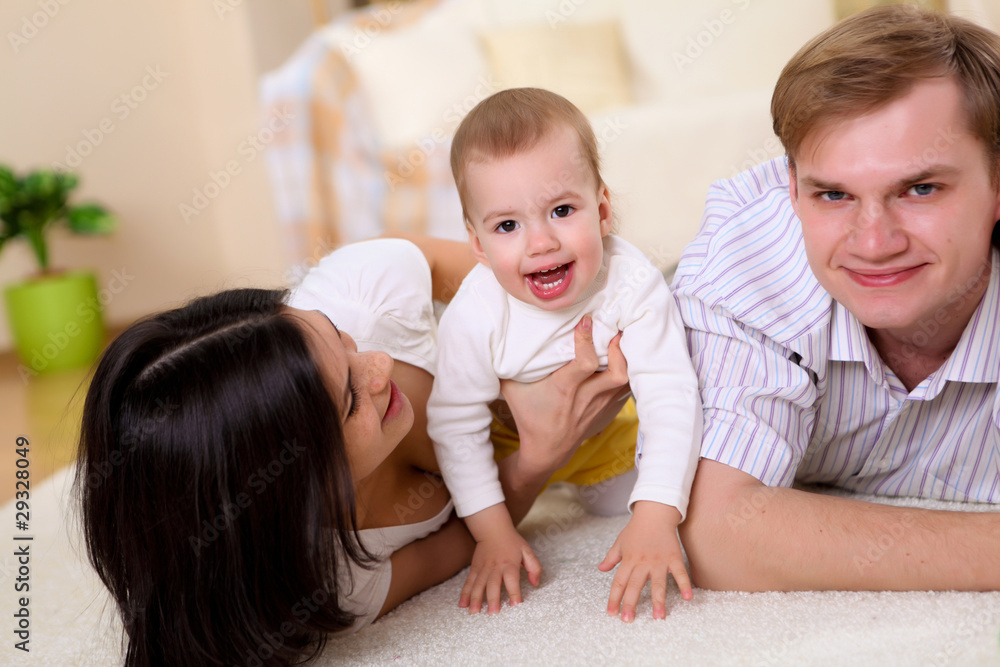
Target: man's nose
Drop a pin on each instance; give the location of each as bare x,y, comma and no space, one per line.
876,232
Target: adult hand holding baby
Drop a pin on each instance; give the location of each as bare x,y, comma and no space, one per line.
556,414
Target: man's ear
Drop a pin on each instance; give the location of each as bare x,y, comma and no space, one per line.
996,212
793,188
477,247
604,210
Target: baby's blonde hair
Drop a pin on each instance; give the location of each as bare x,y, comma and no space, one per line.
512,121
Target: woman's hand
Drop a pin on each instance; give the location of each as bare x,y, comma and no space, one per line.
557,413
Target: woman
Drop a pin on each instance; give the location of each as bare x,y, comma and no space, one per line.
253,478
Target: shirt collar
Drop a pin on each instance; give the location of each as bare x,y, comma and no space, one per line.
848,338
976,358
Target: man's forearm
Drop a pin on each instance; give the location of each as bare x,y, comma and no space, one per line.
745,536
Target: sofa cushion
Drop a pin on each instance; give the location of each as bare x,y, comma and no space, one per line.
421,75
685,51
584,62
660,159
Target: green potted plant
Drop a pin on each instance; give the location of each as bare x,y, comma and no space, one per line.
55,316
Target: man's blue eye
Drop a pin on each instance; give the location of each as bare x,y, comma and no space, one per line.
834,195
923,189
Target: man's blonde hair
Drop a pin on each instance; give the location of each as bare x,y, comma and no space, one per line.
874,58
512,121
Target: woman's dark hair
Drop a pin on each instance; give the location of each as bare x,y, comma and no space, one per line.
215,488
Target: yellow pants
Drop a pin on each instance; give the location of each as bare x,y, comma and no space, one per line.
608,454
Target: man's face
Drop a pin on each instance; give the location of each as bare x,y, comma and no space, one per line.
897,209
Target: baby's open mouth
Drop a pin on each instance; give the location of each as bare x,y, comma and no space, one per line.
550,281
550,277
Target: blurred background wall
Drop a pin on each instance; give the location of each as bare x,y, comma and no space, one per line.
149,102
154,104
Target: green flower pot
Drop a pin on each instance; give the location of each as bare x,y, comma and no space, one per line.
56,321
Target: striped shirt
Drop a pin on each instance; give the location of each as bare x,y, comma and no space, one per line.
791,385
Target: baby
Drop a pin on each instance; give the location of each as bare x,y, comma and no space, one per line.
539,219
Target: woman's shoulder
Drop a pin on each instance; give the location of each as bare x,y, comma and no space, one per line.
379,292
379,271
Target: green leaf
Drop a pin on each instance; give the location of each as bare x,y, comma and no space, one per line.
91,219
8,191
8,182
31,205
36,238
67,181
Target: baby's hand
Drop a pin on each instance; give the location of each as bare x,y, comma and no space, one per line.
500,553
647,549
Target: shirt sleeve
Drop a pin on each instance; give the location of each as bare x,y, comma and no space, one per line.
458,414
758,397
663,383
379,292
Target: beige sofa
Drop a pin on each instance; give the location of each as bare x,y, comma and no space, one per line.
678,94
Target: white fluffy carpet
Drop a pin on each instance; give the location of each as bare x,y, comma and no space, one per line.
561,622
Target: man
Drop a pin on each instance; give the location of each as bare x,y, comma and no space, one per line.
843,314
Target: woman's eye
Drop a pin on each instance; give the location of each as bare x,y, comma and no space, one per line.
833,195
355,399
506,226
562,211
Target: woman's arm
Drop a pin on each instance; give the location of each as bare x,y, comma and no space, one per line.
428,561
450,262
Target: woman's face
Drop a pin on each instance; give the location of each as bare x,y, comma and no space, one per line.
374,413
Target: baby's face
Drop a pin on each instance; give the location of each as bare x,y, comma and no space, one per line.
537,219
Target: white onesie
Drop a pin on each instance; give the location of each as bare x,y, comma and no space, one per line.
487,335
